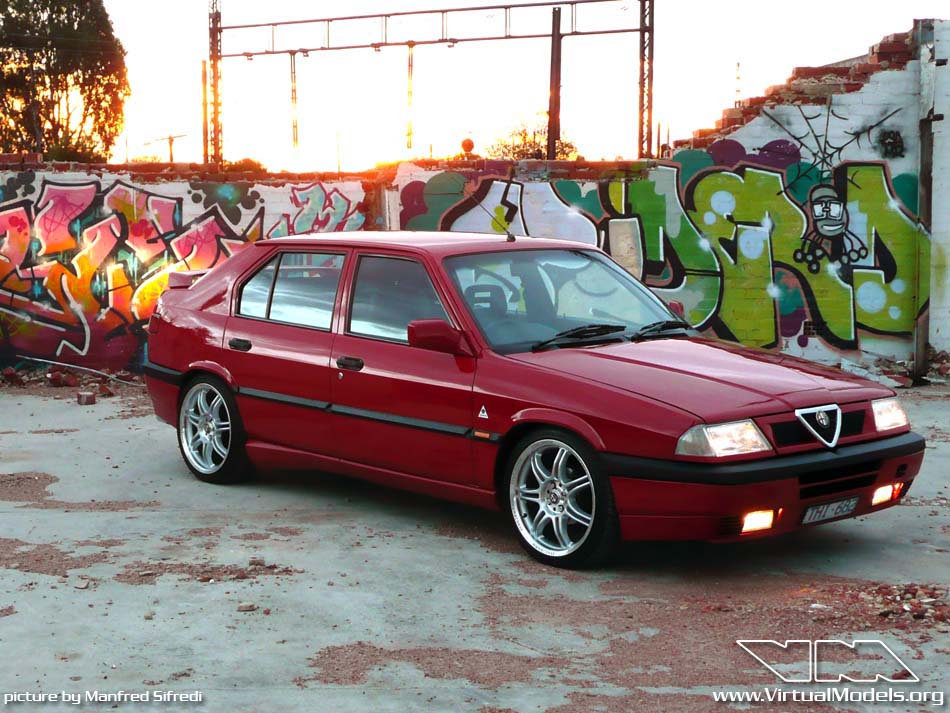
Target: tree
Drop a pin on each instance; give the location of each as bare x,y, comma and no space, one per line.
524,143
63,80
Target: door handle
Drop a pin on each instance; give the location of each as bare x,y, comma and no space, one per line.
348,362
242,345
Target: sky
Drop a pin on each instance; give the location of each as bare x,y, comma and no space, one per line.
352,105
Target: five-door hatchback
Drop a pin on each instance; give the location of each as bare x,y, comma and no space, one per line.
531,375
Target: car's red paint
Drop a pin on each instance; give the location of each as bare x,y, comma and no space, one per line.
628,399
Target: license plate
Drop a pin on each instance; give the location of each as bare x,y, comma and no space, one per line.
829,511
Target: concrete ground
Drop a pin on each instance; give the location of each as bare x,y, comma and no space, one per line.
120,572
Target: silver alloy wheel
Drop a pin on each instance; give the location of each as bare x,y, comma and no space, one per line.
204,425
552,497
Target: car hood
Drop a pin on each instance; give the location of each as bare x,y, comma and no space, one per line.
714,380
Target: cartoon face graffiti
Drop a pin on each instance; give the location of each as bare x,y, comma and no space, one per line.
828,235
828,212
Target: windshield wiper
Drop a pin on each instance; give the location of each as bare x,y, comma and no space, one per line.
658,328
586,331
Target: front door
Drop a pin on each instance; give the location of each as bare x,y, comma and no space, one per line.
279,341
399,407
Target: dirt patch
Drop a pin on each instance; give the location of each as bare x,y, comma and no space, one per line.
99,543
936,433
637,700
926,393
94,505
492,536
937,502
204,532
349,665
7,611
249,536
135,404
31,488
285,531
43,559
28,487
635,620
148,572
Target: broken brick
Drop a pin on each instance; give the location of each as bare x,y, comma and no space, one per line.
11,376
85,398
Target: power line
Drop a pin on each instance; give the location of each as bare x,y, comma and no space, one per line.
217,29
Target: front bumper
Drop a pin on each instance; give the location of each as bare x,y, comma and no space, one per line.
670,500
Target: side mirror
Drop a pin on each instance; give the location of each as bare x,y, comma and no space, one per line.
439,336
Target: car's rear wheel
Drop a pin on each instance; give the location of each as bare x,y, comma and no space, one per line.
560,501
210,435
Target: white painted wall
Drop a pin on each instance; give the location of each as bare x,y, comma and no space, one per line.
940,223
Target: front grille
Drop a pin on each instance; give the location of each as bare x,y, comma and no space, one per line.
794,433
837,479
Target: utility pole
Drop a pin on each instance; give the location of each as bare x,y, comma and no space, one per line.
171,144
204,112
214,56
645,128
554,100
409,127
34,108
293,96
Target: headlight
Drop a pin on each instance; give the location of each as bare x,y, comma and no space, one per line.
888,414
722,439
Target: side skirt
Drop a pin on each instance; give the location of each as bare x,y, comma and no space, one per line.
270,456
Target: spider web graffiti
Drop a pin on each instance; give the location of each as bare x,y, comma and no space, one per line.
828,235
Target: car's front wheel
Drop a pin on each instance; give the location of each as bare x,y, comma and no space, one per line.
561,503
209,432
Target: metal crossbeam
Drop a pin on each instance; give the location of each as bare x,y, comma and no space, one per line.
385,40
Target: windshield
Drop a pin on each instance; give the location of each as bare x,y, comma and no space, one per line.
522,297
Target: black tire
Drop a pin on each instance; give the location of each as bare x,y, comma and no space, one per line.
231,466
590,545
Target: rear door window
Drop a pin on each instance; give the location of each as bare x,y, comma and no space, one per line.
294,288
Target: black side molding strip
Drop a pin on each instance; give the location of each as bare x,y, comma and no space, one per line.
162,373
283,398
436,426
758,471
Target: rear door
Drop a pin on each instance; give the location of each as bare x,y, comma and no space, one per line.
279,340
399,407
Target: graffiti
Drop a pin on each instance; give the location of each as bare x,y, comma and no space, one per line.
829,235
761,247
82,263
318,209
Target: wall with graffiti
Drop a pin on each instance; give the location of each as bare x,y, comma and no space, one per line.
796,230
789,246
84,256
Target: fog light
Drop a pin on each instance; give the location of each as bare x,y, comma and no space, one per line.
757,520
885,493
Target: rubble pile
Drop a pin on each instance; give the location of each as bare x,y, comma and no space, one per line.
49,379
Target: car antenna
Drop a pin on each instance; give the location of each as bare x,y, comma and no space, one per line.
509,236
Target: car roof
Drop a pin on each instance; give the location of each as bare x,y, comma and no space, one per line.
439,244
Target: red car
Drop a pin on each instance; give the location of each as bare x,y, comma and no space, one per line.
531,375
